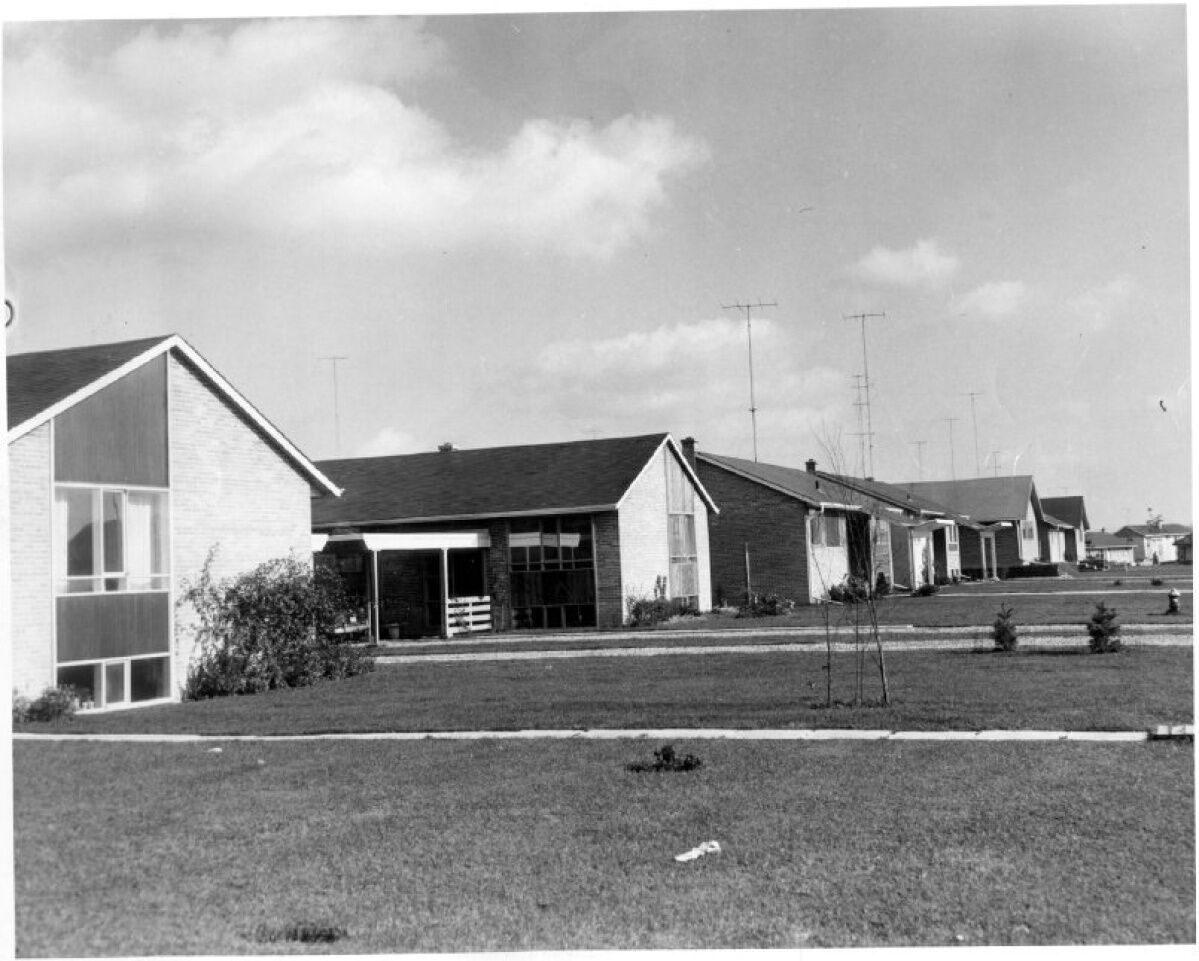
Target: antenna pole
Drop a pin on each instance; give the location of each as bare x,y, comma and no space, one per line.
953,471
977,468
861,434
866,380
335,360
919,457
749,334
995,461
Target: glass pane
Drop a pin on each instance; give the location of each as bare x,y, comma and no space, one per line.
78,529
576,534
114,683
146,548
82,677
148,678
114,539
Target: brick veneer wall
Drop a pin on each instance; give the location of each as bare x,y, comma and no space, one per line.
773,524
609,583
30,552
229,489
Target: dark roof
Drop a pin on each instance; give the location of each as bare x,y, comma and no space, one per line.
1144,530
37,381
487,482
1102,540
982,499
1185,541
1070,509
1054,521
800,484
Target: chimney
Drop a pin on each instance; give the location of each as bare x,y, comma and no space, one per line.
689,451
811,466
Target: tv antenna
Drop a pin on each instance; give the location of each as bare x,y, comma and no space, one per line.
866,382
919,444
977,468
335,360
953,471
753,407
861,433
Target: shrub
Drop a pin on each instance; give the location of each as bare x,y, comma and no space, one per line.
925,590
850,591
53,704
882,586
1156,581
648,611
273,627
1003,630
766,605
1104,631
665,759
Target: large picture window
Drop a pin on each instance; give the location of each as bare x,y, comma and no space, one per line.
684,557
109,539
551,562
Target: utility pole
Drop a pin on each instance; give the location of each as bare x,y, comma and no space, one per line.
753,407
335,360
973,417
953,471
919,457
866,379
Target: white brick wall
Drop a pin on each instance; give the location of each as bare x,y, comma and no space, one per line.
32,616
229,488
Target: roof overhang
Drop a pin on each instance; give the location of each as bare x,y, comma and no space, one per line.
446,518
412,541
669,443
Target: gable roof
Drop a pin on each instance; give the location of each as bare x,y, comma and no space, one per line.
1055,522
43,384
982,499
800,484
1144,530
1185,541
1071,509
1102,540
563,478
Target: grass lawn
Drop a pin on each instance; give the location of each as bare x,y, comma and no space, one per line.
931,690
127,849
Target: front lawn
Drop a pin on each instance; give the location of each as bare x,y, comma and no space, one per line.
136,849
931,690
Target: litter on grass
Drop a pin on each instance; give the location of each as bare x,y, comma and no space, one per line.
708,847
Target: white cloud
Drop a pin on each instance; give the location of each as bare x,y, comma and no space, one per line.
921,266
993,300
389,440
306,126
1100,305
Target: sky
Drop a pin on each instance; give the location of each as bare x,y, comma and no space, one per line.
526,228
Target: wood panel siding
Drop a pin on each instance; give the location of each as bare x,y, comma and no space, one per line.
94,626
118,435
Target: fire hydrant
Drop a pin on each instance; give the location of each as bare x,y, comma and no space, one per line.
1173,597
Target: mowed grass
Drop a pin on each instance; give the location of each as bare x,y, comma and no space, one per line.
930,690
133,849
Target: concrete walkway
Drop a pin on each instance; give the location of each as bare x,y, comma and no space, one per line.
615,734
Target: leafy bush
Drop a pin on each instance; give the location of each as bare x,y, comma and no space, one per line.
766,605
850,591
273,627
53,704
1104,631
648,611
1003,630
925,590
665,759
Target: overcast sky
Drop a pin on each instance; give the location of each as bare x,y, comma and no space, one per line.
521,229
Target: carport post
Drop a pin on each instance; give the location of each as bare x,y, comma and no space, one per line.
445,592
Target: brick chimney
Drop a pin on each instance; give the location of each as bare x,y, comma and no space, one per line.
811,466
689,451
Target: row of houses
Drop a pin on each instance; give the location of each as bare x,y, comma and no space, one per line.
133,463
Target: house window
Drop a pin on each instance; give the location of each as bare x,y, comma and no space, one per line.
951,534
551,565
110,539
826,531
680,528
111,683
1028,530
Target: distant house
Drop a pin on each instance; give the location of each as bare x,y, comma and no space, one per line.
1055,535
516,538
128,463
1072,512
1153,543
1110,549
1007,511
1185,550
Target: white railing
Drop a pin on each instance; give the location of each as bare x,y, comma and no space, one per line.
465,615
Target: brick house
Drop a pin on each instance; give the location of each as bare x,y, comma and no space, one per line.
1071,513
1008,513
529,537
128,462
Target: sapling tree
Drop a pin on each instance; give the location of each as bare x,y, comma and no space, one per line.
1104,630
1003,631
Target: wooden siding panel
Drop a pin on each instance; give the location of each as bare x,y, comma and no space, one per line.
119,434
93,626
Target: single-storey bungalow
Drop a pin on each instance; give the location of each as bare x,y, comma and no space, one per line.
1154,543
1110,549
1071,511
544,536
1185,548
1008,511
128,464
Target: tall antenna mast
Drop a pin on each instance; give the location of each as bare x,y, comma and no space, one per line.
977,468
335,360
866,379
919,457
861,434
953,471
995,461
753,407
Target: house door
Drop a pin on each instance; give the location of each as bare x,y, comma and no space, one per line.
990,567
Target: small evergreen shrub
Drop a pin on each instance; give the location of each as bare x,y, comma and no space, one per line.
766,605
666,759
850,591
882,586
1003,630
1104,631
273,627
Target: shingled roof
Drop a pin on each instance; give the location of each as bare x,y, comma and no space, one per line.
1070,509
42,384
567,477
982,499
803,485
